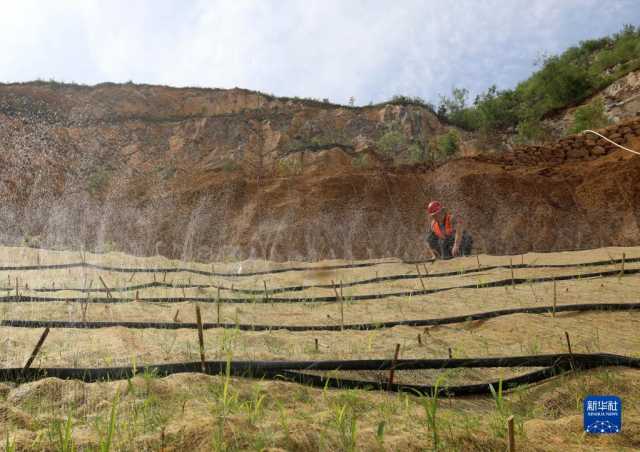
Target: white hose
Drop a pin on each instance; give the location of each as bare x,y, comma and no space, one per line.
613,142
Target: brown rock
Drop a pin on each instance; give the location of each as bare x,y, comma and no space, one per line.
598,150
577,153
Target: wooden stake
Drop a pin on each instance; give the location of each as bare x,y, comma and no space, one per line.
137,295
200,338
339,299
218,305
420,277
393,364
341,312
317,346
85,306
512,436
36,350
132,275
419,340
555,297
566,335
426,270
164,277
175,317
106,287
266,294
478,260
450,353
622,264
511,266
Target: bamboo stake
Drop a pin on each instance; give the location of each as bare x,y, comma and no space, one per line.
106,287
36,350
200,339
393,364
566,334
555,297
511,266
339,299
420,277
84,307
341,308
512,437
218,305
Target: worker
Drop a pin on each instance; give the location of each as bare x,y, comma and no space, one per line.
447,237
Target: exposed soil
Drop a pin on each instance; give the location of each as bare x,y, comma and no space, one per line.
211,175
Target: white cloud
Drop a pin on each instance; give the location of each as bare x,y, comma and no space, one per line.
368,49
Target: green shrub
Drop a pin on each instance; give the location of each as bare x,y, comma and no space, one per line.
447,145
590,116
455,110
361,161
417,153
561,81
288,167
529,130
391,142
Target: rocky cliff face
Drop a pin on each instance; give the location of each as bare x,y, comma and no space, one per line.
229,174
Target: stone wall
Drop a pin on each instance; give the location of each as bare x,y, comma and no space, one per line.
583,146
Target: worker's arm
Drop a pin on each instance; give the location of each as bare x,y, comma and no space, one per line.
458,239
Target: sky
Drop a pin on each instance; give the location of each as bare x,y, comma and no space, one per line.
366,49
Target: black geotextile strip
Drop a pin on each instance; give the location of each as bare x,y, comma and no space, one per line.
407,293
292,369
353,326
302,269
186,270
443,391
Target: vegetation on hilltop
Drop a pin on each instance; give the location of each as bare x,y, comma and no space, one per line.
562,81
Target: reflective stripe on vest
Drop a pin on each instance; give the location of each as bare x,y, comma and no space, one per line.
448,228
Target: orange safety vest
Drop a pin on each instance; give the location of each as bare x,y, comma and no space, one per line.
448,227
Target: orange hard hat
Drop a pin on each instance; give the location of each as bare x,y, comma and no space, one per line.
434,207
